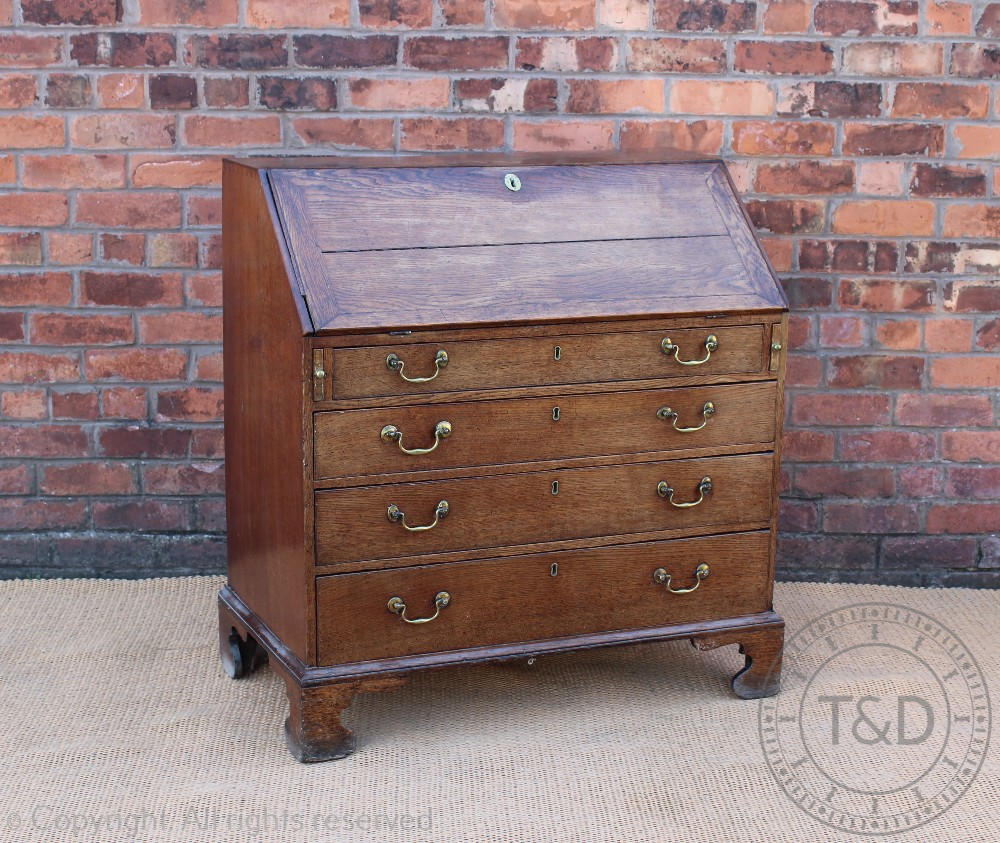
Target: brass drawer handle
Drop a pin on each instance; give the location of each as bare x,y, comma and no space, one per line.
711,344
661,576
397,516
397,606
391,433
706,411
664,490
395,364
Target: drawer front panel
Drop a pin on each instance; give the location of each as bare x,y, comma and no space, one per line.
363,372
482,433
503,510
519,599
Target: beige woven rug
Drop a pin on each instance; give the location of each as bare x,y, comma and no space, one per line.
118,724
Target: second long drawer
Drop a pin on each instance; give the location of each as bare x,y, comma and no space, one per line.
353,442
370,522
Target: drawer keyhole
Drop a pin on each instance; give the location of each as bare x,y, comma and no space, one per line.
554,570
555,414
557,353
555,487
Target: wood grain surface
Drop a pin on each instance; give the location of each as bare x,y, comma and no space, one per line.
518,599
582,358
513,509
376,209
485,433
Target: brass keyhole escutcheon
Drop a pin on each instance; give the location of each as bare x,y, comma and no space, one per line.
512,182
555,414
557,353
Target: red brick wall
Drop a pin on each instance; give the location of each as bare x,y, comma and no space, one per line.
864,135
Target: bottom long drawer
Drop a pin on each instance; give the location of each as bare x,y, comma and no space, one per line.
546,595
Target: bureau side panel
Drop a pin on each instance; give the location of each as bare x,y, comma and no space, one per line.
263,329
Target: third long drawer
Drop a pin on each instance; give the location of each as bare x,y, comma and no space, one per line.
371,522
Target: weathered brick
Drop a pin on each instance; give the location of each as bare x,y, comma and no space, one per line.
976,61
87,478
870,517
949,18
692,96
822,481
543,14
704,16
173,92
801,58
876,371
806,293
899,334
676,55
345,132
893,139
432,52
136,364
142,49
19,131
381,14
849,553
463,12
49,289
131,289
880,178
35,514
979,372
972,220
129,210
204,210
934,99
194,404
345,51
80,329
783,17
188,12
620,96
625,14
496,95
208,367
434,133
28,50
24,404
11,327
967,518
848,256
784,138
827,409
841,332
196,478
884,217
972,296
831,99
20,248
244,52
15,480
75,405
67,90
786,216
944,180
886,295
807,446
288,93
42,209
121,90
891,58
143,515
280,14
948,334
566,54
74,12
226,92
177,328
123,131
562,135
807,177
68,248
17,91
173,248
704,136
144,441
907,552
210,130
74,171
174,171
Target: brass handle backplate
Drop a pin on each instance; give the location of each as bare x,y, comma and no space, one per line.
660,576
397,516
391,433
394,363
669,347
397,606
664,490
667,413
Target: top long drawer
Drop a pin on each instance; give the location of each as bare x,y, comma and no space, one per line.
421,368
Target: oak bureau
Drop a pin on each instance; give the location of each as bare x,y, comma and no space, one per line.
489,407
